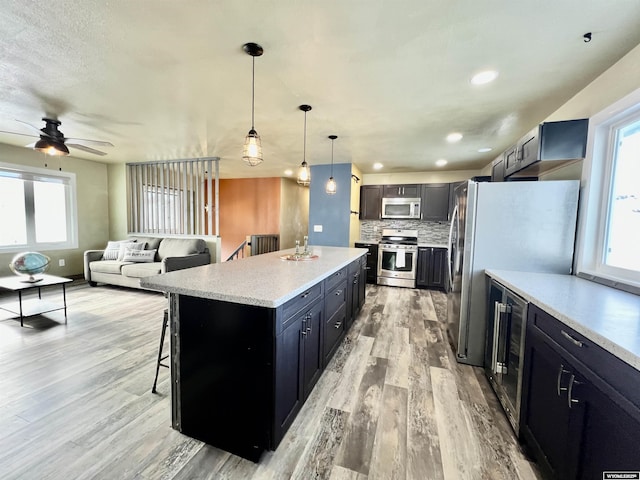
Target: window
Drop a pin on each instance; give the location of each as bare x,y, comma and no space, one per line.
609,236
37,208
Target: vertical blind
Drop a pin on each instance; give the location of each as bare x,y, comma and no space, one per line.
173,197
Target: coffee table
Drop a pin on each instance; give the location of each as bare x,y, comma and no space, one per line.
34,306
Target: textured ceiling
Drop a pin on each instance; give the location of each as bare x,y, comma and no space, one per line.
169,79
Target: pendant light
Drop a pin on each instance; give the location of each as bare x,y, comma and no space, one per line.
331,183
304,173
252,151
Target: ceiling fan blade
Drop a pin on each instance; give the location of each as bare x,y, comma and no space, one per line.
22,134
85,149
96,142
33,127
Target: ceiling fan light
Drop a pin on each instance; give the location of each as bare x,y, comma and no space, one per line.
51,147
252,151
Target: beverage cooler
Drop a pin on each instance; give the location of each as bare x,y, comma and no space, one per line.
504,349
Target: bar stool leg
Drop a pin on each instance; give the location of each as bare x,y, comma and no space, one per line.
165,322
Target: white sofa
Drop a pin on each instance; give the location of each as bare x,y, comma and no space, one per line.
171,254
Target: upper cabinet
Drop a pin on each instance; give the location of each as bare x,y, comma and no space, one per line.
497,170
370,202
435,202
401,191
546,146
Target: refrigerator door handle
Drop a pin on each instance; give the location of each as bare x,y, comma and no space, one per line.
499,312
454,215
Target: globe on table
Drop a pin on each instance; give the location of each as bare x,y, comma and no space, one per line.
29,264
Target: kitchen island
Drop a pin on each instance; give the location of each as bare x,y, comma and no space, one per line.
250,338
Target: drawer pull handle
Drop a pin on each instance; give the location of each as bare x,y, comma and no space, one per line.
338,292
572,382
561,372
305,294
338,324
577,343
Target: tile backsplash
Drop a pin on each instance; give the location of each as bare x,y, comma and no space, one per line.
428,232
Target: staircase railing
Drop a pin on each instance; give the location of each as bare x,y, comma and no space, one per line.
264,244
236,253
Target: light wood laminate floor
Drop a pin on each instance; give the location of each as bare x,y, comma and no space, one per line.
76,401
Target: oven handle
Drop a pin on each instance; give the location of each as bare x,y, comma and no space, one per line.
450,249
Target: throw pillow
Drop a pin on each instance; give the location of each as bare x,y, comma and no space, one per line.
140,256
129,245
112,249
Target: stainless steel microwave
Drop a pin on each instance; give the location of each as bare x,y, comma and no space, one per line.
401,208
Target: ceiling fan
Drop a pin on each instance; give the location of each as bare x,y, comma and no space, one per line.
53,142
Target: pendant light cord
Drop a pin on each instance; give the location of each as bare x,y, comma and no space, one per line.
253,86
304,144
331,158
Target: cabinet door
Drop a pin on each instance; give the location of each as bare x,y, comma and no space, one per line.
435,202
545,418
497,170
334,325
511,161
437,268
370,202
405,191
610,435
288,392
312,354
528,148
422,273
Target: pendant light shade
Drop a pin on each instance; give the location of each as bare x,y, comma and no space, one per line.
304,173
252,151
331,187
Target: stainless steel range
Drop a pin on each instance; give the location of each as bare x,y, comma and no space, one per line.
398,258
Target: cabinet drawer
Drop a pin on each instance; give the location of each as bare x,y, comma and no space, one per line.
335,298
620,375
301,301
335,278
333,331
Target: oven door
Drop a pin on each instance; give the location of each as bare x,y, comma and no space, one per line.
390,265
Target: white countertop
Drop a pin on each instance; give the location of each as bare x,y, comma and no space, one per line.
608,317
262,280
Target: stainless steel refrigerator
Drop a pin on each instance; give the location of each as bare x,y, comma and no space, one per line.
527,226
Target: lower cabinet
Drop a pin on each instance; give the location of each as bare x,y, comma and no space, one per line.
431,267
574,422
335,306
371,265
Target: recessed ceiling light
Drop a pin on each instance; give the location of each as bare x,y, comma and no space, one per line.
484,77
441,162
288,172
377,166
454,137
485,149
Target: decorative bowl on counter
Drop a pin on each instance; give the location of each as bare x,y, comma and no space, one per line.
299,257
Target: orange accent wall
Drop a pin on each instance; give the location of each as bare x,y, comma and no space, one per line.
247,206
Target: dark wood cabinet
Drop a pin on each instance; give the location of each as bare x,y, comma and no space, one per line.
497,169
431,267
335,305
574,421
549,142
371,263
357,283
401,191
370,202
435,202
510,162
